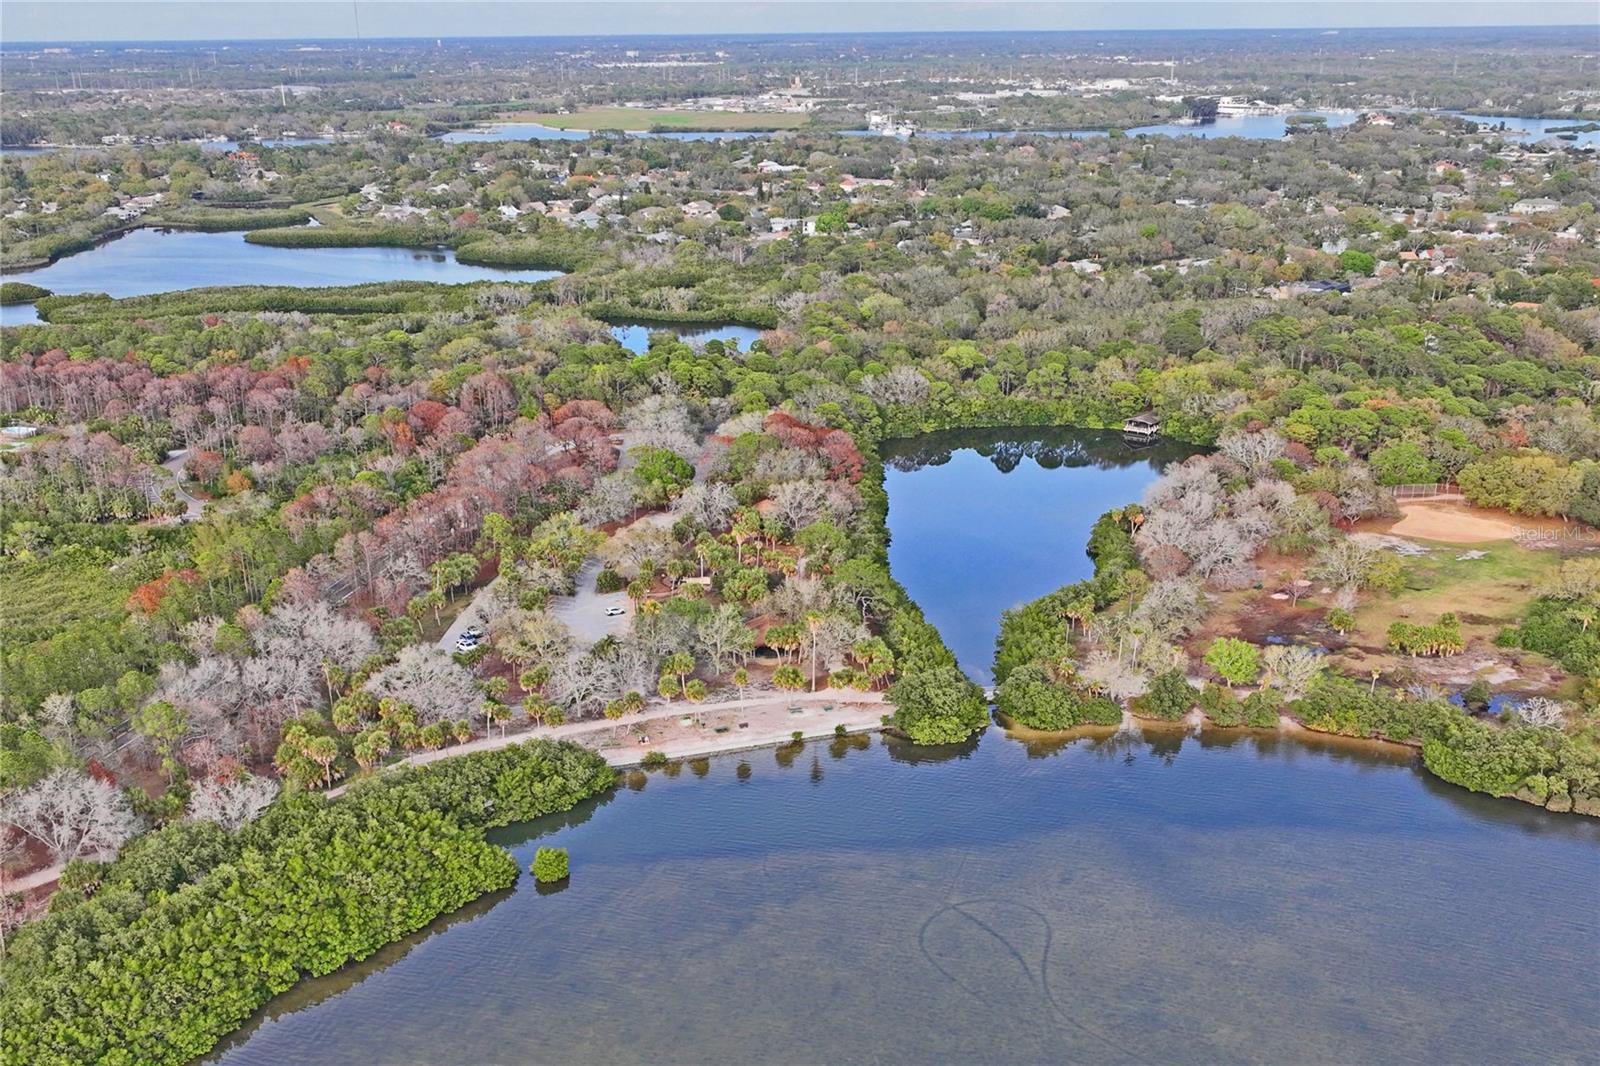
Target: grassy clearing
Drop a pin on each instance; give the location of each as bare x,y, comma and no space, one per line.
1486,593
42,597
639,118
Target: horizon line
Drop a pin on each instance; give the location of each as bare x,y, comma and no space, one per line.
1145,30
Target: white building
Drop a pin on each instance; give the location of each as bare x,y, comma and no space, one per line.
1537,206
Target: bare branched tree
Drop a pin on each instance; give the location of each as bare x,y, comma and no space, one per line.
73,814
431,681
232,803
709,503
1291,668
1541,713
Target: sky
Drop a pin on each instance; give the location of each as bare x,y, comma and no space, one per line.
136,20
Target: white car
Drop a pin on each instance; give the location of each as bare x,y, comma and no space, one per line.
466,642
615,612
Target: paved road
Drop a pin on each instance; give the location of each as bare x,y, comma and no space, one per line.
193,508
478,613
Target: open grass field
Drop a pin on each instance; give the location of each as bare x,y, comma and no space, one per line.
1487,594
640,118
41,597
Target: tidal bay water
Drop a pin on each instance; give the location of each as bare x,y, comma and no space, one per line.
1225,898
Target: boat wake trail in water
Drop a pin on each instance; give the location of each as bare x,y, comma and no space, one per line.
1024,938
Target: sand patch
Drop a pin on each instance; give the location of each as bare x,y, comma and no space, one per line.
1454,522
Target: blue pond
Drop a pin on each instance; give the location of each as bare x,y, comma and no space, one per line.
635,336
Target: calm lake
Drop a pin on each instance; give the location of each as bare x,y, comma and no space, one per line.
635,336
1251,127
1523,130
149,260
1226,898
983,520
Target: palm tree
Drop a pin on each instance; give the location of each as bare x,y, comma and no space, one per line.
875,659
371,746
1080,610
680,664
324,751
814,622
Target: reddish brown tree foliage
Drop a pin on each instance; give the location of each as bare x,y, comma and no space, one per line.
147,597
385,565
204,466
835,447
593,411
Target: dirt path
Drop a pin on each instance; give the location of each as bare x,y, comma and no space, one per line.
30,881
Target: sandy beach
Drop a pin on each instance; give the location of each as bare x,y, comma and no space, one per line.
681,730
725,728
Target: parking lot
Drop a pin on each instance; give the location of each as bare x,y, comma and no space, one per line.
584,612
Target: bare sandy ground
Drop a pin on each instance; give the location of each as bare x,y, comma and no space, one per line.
762,725
1455,522
768,719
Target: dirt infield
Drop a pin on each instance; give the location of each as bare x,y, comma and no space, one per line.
1455,522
